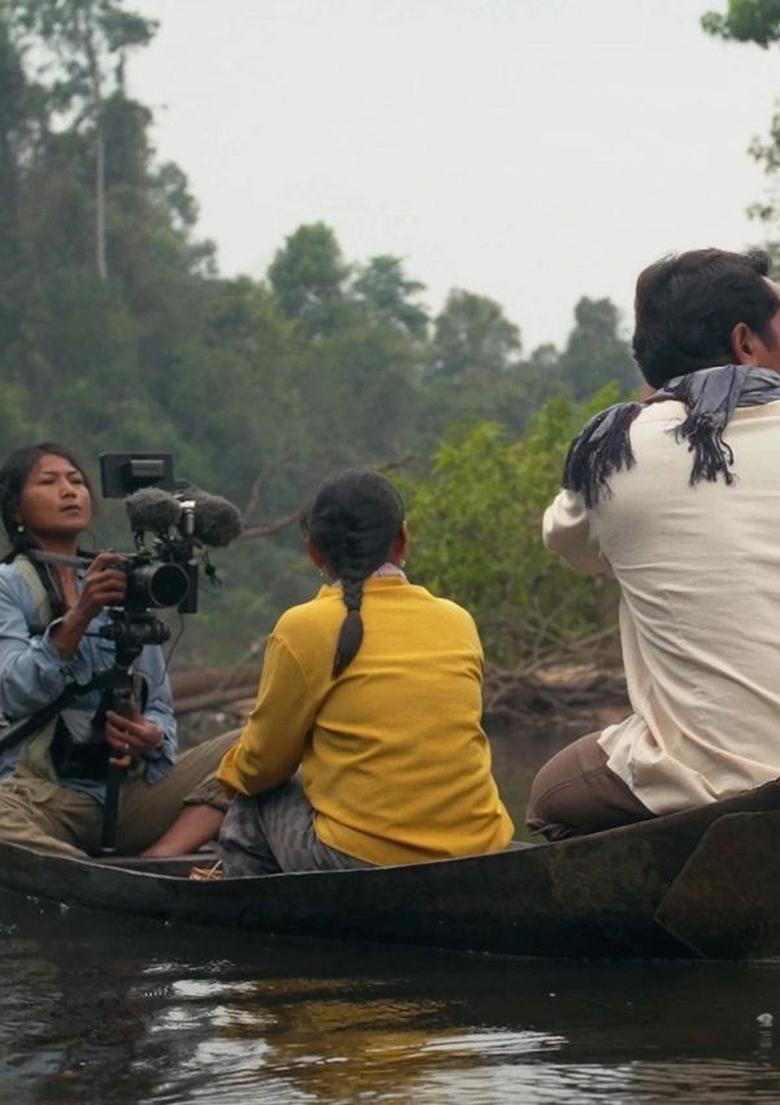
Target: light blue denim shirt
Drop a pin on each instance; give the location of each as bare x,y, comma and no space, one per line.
33,674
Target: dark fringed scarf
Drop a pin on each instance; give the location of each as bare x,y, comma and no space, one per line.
710,397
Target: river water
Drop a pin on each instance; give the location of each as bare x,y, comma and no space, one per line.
101,1010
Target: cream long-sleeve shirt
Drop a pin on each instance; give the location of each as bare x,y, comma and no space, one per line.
699,575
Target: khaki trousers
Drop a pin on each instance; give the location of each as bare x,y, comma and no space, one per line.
575,793
67,822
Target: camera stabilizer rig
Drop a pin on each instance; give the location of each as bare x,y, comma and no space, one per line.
171,522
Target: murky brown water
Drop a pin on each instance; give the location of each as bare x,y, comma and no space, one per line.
99,1010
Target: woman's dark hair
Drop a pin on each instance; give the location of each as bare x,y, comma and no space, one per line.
353,520
687,305
13,476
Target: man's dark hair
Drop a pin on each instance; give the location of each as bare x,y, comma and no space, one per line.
687,305
353,521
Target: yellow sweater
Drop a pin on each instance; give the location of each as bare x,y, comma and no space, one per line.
393,757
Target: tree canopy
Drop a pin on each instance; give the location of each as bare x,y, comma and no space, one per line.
117,332
755,21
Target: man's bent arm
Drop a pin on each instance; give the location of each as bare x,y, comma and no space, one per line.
567,529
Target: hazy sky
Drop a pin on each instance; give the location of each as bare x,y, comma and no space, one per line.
530,150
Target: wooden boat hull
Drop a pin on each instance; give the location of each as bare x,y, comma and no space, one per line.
694,884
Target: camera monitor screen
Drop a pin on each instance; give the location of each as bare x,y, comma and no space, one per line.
123,473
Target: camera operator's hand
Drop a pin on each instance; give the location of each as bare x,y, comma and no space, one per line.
131,736
105,584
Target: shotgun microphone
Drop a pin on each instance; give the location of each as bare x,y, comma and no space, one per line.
217,520
151,508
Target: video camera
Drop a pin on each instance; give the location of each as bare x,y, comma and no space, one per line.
173,523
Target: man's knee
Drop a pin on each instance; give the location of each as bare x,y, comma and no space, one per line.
549,806
560,789
576,793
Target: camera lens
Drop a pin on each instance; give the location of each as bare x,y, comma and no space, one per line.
161,585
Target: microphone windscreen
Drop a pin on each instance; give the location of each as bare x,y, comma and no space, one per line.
217,520
151,508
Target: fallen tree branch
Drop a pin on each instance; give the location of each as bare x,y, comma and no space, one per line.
574,681
262,481
212,700
277,525
270,529
208,688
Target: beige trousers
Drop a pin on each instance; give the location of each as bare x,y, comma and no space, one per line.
67,822
575,793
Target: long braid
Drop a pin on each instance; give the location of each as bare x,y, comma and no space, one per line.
351,632
354,520
352,571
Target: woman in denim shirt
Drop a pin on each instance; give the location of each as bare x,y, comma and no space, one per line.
52,785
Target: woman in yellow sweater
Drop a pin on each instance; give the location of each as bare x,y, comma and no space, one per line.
373,689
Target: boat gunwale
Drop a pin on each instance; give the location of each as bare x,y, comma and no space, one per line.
595,895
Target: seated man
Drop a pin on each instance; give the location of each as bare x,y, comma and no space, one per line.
678,497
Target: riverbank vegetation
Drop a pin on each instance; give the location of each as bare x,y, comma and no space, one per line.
118,331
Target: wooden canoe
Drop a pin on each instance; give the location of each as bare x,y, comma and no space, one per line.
699,884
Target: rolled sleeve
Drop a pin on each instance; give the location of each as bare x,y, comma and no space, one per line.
32,672
568,530
271,743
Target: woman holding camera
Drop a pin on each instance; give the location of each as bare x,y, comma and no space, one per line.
53,784
373,689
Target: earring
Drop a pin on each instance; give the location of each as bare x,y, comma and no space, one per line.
20,528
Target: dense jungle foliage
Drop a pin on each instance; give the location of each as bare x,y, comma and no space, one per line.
118,332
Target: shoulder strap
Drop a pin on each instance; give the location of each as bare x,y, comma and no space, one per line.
43,610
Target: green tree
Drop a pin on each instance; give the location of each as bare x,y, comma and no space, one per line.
360,391
755,21
475,523
308,276
84,45
758,22
353,348
389,296
766,212
64,330
595,354
257,387
472,368
232,389
473,336
13,127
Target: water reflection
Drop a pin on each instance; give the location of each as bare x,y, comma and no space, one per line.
117,1012
98,1009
